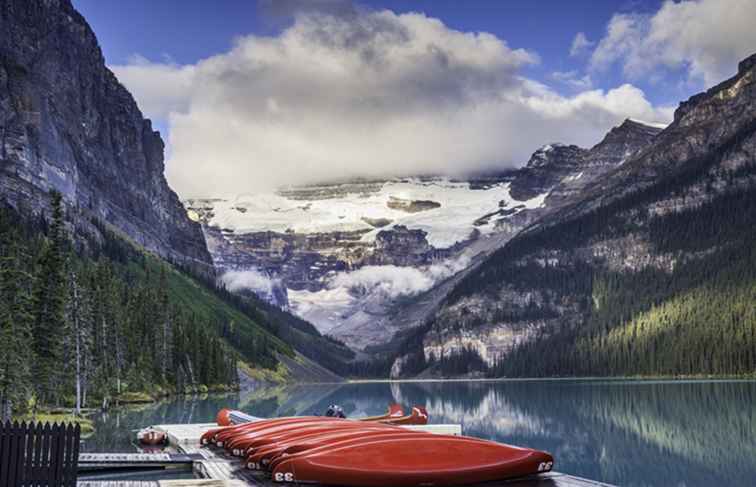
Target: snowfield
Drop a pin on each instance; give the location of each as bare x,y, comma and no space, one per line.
446,225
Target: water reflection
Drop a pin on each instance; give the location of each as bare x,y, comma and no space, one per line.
633,433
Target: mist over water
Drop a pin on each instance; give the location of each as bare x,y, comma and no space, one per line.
629,433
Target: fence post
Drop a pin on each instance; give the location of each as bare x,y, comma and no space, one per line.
3,452
12,465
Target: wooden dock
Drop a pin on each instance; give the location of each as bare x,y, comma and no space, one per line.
101,461
215,468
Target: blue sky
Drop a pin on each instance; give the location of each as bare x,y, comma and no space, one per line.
251,94
186,31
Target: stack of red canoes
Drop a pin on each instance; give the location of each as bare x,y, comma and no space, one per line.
376,451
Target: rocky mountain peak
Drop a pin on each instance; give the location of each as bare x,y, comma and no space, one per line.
621,142
631,127
554,154
747,64
722,115
736,94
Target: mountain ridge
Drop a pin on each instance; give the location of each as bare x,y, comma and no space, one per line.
68,127
307,257
644,237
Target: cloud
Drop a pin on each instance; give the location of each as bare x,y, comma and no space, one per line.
277,9
573,79
705,37
375,94
250,279
162,88
391,282
580,44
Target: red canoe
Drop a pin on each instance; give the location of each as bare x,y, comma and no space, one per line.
249,439
418,416
243,444
394,411
239,442
231,417
339,444
235,431
228,428
263,456
411,461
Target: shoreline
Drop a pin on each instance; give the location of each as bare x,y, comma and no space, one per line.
677,379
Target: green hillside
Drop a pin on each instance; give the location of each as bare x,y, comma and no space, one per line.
686,308
116,320
698,319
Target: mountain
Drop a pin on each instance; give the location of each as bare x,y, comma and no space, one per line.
67,124
98,250
367,260
652,271
324,251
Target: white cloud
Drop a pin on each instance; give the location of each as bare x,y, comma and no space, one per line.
370,94
162,88
580,44
706,37
391,282
573,79
250,279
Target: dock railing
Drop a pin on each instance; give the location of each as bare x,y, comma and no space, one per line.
37,455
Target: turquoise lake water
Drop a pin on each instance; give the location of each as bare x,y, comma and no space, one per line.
624,432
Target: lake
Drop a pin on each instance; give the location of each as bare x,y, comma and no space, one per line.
624,432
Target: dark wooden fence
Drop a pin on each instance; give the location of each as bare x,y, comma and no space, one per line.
36,455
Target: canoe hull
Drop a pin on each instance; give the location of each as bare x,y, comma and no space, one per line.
237,431
261,437
261,459
424,460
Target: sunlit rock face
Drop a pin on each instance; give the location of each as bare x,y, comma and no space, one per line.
67,124
364,260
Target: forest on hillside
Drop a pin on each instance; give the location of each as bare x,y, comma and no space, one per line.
78,326
697,319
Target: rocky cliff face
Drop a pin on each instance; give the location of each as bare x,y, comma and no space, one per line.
699,174
67,124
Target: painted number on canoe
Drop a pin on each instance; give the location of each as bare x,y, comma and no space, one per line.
284,477
545,466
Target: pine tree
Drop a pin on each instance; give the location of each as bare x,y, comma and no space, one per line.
78,337
49,305
15,337
165,326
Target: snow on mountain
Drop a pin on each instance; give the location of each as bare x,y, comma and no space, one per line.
650,124
449,215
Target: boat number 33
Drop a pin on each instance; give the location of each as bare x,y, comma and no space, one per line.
284,477
545,466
